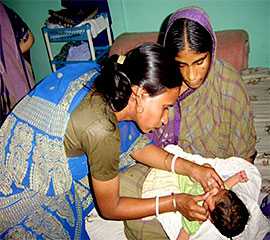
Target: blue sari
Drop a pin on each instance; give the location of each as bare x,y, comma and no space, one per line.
43,193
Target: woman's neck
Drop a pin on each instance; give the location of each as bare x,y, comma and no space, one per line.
123,115
184,87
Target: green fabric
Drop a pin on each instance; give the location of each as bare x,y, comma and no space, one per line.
186,185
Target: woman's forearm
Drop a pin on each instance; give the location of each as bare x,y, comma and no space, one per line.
156,157
112,206
134,208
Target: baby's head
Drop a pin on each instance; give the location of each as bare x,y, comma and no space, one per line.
227,212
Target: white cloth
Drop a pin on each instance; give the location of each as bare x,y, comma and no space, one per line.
248,192
97,25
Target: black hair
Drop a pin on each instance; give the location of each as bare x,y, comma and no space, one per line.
187,33
230,215
148,66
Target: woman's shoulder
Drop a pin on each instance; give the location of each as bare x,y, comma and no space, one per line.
225,70
93,115
228,79
90,124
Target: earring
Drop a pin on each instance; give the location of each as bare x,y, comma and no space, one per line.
140,109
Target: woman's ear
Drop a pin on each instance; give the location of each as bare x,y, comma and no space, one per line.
134,90
137,92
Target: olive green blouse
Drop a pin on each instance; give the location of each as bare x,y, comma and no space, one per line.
92,129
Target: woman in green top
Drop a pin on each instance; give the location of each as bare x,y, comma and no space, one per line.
139,87
65,127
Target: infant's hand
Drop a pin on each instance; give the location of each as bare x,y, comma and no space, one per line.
242,176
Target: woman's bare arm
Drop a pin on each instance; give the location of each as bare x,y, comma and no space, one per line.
112,206
156,157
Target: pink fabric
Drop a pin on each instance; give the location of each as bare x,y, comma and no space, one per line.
16,77
232,45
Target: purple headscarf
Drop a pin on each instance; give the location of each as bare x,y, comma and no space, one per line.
169,134
195,14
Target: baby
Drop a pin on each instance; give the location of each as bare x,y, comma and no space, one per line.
224,205
227,212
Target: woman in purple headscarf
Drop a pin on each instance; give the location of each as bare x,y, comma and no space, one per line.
212,116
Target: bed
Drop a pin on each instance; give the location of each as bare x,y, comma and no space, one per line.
258,85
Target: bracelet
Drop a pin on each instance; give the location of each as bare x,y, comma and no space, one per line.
174,201
173,163
226,186
157,206
166,161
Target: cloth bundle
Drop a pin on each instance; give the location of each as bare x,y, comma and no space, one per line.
70,17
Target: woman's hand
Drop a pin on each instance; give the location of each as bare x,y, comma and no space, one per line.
27,44
207,177
188,206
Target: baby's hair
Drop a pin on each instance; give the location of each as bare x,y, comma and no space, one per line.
230,215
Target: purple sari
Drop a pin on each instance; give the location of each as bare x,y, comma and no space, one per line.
168,134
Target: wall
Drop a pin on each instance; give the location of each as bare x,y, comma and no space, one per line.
147,15
253,16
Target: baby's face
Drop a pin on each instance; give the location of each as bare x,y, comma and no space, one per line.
214,197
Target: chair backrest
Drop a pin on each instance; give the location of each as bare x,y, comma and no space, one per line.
232,45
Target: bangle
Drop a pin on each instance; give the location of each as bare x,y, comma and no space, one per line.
166,161
174,201
157,206
173,163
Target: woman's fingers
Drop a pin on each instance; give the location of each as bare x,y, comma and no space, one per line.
201,210
218,179
188,206
201,198
207,177
213,180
